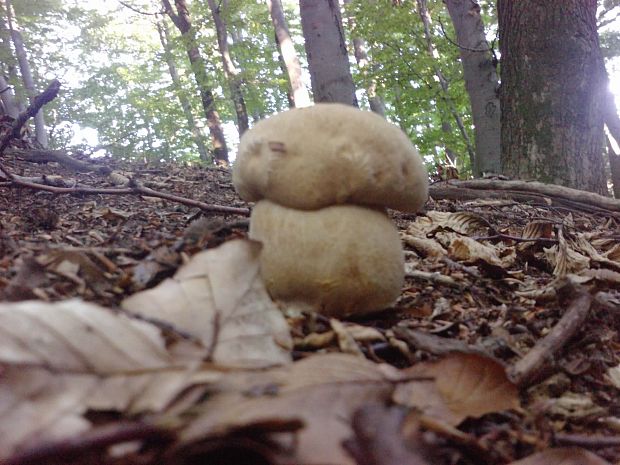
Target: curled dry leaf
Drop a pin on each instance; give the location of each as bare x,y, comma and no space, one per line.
60,360
468,250
323,391
460,386
79,337
219,298
562,456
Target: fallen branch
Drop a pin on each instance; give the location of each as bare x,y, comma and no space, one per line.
44,97
532,189
529,368
133,189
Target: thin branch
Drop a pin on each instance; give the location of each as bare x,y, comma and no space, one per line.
541,356
44,97
133,189
445,34
140,12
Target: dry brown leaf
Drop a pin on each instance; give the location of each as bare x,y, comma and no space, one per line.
462,385
60,360
427,247
219,298
323,391
468,250
537,229
80,337
38,405
562,456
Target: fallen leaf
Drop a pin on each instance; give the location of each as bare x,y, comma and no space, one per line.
219,298
323,391
460,385
80,337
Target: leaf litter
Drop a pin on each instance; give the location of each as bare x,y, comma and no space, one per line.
127,319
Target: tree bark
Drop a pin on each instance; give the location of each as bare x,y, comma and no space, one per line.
363,63
164,38
443,82
328,59
230,70
9,106
300,95
552,93
182,21
481,83
24,67
9,64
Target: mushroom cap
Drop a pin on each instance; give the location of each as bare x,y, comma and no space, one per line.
330,154
340,260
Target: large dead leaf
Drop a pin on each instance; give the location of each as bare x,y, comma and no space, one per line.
38,406
323,391
60,360
219,298
562,456
79,337
461,385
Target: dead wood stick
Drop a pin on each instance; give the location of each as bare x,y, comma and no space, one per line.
589,442
134,189
549,190
44,97
526,371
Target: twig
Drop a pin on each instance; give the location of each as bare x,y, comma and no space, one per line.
462,47
589,442
135,189
526,371
97,439
44,97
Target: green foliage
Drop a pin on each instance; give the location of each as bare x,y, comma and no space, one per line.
116,80
406,74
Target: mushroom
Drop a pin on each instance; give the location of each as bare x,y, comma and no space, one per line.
322,177
330,154
338,260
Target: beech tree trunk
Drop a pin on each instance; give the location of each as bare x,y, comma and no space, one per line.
182,21
9,106
552,93
164,38
481,83
24,67
299,93
445,86
363,63
326,49
230,70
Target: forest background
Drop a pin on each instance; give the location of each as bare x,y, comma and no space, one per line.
129,90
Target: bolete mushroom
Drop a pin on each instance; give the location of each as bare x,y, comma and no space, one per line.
322,177
330,154
338,260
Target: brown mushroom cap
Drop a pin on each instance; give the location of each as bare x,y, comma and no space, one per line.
330,154
338,260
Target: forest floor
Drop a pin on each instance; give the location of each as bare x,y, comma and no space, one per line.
504,345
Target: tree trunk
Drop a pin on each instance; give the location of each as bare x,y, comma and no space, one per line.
9,64
182,21
361,57
443,82
300,95
481,83
328,59
9,106
230,70
552,93
164,38
24,67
